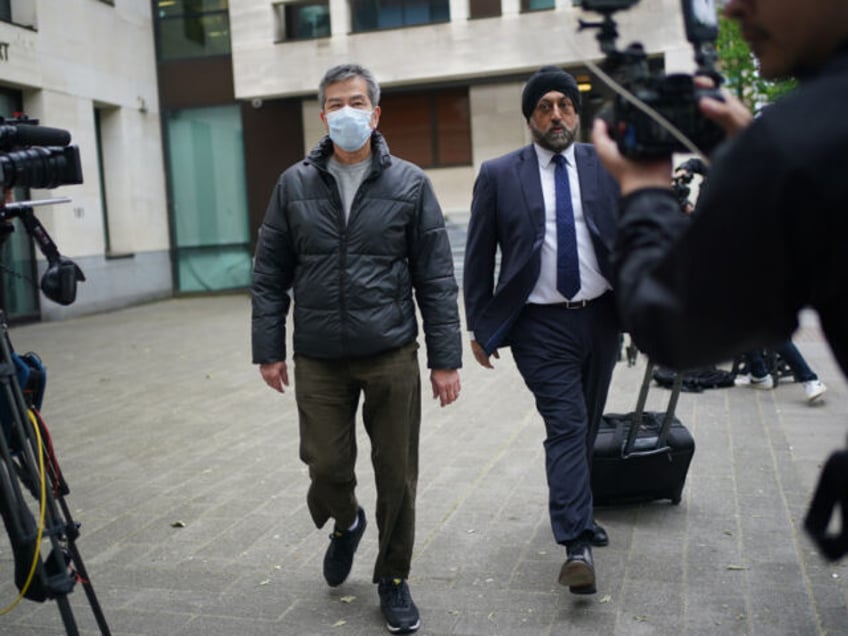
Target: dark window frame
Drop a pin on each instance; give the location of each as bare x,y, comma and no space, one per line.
161,20
484,9
406,22
7,17
287,16
526,8
431,102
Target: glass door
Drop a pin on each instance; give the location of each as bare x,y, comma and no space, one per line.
209,198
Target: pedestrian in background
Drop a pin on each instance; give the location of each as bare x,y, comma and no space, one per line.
758,376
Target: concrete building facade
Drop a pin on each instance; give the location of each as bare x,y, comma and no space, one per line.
88,66
490,57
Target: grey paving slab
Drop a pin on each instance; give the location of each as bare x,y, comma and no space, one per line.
185,476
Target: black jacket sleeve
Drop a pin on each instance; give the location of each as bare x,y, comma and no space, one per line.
702,290
436,290
273,271
481,248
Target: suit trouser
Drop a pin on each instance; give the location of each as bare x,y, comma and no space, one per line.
566,357
327,393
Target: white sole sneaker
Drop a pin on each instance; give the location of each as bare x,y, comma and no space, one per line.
764,384
814,389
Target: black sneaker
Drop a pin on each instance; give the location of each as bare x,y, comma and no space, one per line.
397,605
339,557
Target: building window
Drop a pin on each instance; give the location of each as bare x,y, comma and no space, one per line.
19,12
192,28
374,15
302,20
209,198
429,128
536,5
484,8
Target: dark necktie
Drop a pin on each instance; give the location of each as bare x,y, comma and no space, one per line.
568,268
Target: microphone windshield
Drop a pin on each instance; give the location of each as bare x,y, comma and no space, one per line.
28,135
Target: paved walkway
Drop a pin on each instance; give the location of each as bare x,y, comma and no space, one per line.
184,473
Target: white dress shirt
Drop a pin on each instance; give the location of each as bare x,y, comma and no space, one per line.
592,282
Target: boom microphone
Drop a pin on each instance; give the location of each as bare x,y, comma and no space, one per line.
29,135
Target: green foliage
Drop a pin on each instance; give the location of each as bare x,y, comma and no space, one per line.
740,68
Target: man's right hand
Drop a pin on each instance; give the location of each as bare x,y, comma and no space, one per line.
480,355
276,375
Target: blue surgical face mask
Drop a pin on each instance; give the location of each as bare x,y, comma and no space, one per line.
349,127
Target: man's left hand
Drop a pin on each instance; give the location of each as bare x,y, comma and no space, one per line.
445,384
631,175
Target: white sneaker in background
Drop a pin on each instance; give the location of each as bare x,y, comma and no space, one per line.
765,383
743,379
814,389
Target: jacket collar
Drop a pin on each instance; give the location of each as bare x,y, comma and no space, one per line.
380,155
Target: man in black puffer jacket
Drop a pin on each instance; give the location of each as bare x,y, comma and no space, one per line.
349,233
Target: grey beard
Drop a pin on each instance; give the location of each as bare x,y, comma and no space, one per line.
556,142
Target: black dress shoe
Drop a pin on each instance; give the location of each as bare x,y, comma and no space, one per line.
600,538
578,571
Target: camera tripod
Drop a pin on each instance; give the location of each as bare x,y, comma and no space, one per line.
28,465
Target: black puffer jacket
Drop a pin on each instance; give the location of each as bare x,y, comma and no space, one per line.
352,283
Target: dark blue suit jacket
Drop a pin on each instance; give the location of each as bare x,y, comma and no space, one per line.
508,211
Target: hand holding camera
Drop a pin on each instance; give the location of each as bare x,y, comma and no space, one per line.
729,113
653,114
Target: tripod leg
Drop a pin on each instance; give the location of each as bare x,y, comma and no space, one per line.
31,446
67,615
72,532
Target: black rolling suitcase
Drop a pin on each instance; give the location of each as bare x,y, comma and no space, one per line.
644,463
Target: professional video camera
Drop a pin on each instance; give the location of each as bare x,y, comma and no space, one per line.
682,177
643,127
29,469
35,156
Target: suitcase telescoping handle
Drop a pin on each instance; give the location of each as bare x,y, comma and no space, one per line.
661,445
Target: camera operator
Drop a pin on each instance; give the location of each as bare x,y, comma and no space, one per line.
769,233
768,236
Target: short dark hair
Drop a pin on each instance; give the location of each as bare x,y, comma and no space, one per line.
343,72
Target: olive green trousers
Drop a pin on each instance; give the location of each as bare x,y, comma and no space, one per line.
328,394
